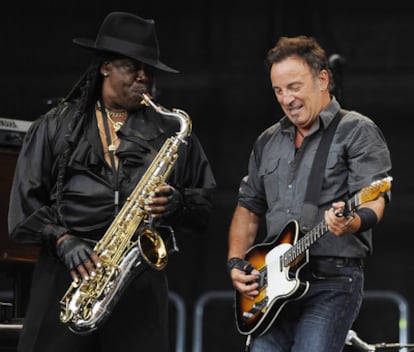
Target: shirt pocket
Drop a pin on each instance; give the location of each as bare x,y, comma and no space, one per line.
333,159
269,174
336,175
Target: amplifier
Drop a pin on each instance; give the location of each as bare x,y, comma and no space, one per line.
11,138
12,131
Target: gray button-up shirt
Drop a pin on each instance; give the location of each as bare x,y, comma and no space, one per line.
277,178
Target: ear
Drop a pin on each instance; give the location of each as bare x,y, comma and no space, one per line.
323,80
105,69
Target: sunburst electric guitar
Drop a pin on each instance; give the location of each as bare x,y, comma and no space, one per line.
279,263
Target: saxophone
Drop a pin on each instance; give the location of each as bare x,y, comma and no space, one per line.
130,245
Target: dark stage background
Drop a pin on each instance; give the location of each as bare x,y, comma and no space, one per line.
219,47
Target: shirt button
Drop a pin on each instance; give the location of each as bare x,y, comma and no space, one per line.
288,211
289,186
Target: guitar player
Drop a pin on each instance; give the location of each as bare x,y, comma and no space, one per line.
301,288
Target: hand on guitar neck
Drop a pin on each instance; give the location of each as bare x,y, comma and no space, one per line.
340,220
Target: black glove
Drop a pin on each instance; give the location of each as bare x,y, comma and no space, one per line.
241,264
73,251
175,202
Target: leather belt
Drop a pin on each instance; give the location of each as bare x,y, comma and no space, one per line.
336,262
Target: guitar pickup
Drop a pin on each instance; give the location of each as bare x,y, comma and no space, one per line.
258,306
262,278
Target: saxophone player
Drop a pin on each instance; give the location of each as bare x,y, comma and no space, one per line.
79,163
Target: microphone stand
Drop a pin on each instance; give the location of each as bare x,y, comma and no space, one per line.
384,345
352,339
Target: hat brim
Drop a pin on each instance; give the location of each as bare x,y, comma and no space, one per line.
90,44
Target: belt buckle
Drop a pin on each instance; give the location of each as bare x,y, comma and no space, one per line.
341,262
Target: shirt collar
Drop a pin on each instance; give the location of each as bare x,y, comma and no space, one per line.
327,114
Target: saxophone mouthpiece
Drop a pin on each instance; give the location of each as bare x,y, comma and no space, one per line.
146,99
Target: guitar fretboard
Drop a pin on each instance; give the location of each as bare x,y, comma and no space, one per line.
304,243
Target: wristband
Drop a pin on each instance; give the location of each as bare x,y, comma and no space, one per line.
368,218
240,264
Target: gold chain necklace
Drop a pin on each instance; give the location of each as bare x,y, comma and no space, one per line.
116,124
110,114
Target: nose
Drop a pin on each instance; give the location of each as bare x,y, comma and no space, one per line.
141,75
285,98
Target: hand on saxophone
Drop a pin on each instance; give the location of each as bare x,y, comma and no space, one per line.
165,201
78,256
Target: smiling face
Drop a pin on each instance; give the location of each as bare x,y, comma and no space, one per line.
124,82
301,94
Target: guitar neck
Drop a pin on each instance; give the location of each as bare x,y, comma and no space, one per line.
307,240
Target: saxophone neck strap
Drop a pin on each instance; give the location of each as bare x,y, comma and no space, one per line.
111,155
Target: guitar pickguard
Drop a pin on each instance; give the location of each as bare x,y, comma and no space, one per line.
279,284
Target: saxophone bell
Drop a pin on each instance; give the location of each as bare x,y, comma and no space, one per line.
152,247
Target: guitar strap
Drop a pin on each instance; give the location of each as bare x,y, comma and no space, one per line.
313,191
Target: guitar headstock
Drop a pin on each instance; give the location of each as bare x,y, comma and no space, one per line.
375,189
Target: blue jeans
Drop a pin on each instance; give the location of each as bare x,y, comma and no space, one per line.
319,321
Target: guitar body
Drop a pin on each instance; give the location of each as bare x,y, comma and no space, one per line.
278,284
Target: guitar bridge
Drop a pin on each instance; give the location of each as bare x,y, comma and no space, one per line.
258,306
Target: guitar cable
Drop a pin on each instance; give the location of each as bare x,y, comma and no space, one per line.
247,346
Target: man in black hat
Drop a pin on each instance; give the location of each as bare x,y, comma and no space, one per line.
79,164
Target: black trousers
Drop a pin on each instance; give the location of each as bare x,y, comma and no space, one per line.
138,322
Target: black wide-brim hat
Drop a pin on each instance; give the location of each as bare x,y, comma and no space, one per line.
128,35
